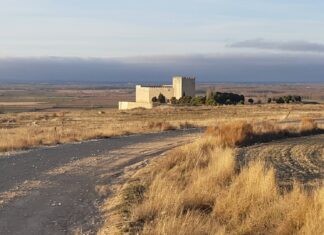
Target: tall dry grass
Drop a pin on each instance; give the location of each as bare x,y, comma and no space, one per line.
196,189
245,133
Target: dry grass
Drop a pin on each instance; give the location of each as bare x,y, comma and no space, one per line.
308,124
197,189
25,130
33,135
246,133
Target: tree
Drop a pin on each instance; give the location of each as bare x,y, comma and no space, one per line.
161,98
198,100
269,100
297,98
154,99
251,101
185,100
280,100
210,101
287,99
173,100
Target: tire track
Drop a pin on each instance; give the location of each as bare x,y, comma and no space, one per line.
295,159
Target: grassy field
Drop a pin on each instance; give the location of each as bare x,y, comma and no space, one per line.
201,188
29,129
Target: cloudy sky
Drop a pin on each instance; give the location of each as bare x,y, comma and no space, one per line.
128,32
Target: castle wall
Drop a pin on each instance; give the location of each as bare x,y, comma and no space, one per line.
145,94
133,105
142,94
168,92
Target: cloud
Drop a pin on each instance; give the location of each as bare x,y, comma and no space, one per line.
294,46
150,70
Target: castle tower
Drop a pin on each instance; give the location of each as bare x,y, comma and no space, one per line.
184,86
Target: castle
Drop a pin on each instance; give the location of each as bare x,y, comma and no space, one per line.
181,86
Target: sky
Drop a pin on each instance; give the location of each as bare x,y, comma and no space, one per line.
139,32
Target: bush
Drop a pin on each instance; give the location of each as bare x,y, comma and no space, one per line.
297,98
251,101
198,100
185,100
280,100
154,99
210,101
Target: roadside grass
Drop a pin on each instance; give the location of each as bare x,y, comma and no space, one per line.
198,189
32,136
25,130
246,133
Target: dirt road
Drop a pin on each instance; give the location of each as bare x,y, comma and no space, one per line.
56,190
300,159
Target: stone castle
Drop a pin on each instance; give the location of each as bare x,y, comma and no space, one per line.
181,86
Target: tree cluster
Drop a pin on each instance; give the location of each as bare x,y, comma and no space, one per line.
286,99
219,98
216,98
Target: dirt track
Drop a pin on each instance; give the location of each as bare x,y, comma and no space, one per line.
56,190
300,159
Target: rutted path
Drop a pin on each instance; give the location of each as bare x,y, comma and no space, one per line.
53,190
300,159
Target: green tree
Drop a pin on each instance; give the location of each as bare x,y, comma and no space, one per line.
198,100
161,98
280,100
173,100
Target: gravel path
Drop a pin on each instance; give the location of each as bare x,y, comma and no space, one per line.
56,190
